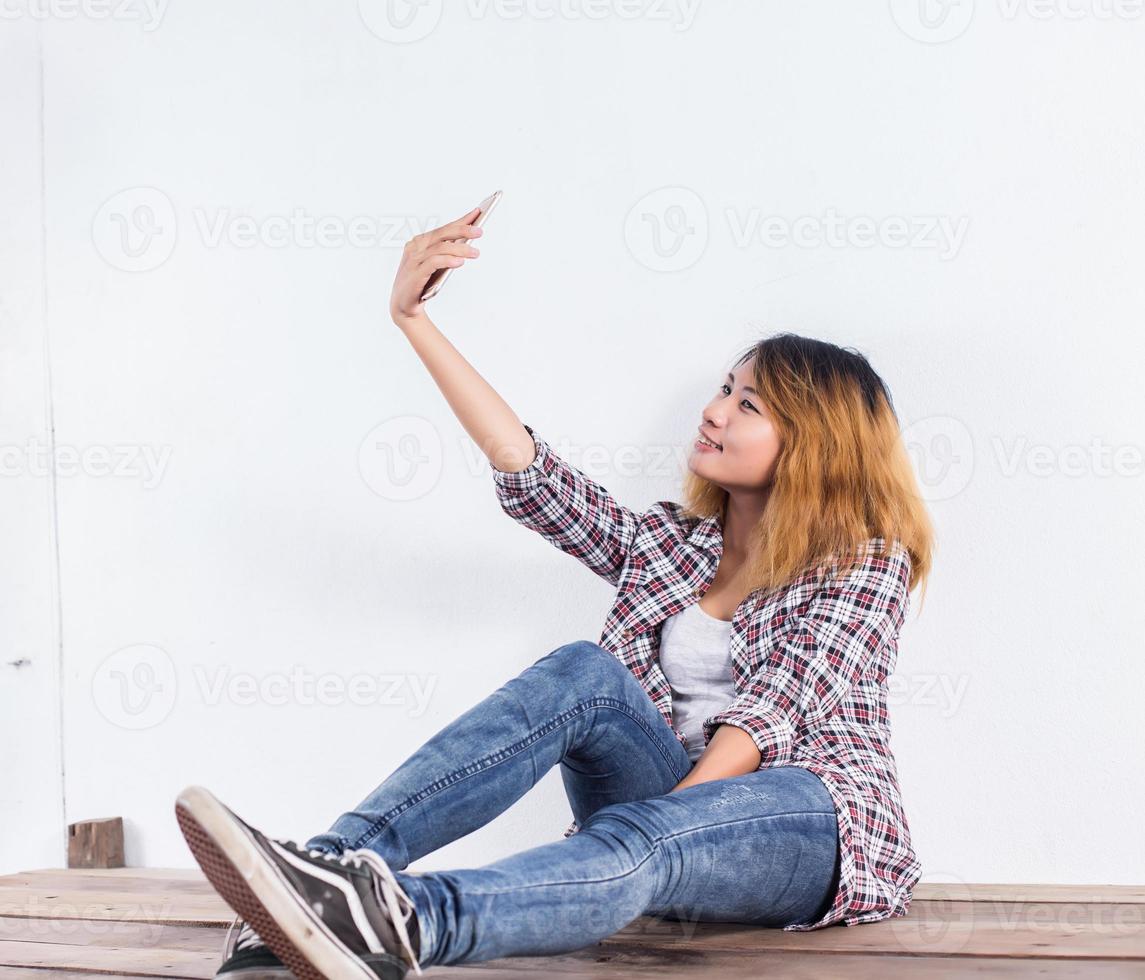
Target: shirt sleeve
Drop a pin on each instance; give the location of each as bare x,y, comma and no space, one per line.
569,511
803,679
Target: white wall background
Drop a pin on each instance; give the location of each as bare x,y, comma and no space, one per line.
248,528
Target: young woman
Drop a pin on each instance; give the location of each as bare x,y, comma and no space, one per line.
725,746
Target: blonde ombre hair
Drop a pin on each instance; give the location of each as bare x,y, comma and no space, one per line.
842,475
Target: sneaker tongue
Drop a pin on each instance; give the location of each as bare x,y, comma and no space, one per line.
387,931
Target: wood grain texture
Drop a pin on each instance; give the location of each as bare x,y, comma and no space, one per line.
135,922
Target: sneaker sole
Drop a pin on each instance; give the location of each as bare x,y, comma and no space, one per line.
251,885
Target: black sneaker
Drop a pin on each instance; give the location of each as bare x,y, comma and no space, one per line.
247,957
326,916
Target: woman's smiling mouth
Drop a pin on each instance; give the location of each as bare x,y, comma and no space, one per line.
707,443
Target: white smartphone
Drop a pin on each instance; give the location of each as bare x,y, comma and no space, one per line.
437,279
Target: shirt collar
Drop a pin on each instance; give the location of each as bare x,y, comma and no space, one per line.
708,535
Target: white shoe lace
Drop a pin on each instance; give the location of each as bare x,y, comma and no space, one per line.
386,889
244,937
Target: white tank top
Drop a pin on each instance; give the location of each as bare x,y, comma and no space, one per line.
695,655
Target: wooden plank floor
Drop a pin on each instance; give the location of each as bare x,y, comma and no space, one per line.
138,922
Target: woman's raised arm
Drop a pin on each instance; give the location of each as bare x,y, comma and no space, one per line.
484,414
534,485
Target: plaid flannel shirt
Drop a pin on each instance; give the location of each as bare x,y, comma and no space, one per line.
810,660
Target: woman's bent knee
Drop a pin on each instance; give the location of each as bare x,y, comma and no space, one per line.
584,662
574,673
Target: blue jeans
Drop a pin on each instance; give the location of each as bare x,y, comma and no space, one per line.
760,848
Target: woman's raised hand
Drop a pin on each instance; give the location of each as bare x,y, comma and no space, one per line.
423,255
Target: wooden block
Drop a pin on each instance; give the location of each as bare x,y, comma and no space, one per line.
96,843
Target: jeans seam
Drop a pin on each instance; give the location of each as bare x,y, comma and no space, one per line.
658,840
496,758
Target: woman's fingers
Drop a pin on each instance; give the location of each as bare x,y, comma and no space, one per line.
437,260
463,249
457,230
444,250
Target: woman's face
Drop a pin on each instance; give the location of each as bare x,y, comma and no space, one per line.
738,421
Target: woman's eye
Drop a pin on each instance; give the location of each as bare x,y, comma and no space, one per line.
726,388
